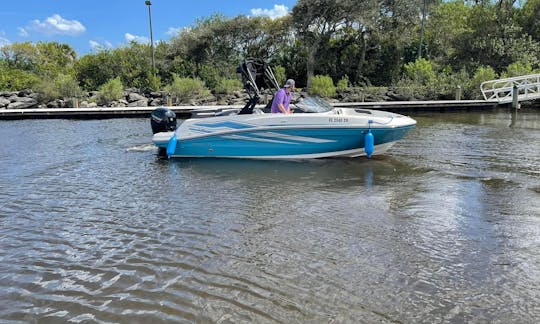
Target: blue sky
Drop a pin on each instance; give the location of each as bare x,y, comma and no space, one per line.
89,24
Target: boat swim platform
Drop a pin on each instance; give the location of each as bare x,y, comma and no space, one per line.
186,111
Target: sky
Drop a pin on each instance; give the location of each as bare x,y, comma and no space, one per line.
90,25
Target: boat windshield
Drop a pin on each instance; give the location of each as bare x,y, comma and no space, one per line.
313,104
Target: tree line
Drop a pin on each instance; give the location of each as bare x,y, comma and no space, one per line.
420,48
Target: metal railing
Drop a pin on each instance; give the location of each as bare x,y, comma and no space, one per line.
527,88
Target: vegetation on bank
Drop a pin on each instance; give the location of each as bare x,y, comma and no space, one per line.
328,46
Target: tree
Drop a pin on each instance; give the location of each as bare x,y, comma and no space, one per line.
94,70
316,21
22,56
495,39
530,18
446,26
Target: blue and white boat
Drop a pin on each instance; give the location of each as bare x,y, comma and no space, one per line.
315,130
338,132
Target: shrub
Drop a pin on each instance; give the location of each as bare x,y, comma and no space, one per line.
185,88
210,75
517,69
343,83
322,85
154,81
228,86
111,90
482,73
63,86
67,86
279,73
15,79
420,71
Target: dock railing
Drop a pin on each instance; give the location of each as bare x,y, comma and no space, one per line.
527,88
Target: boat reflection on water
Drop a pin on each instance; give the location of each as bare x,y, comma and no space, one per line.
322,172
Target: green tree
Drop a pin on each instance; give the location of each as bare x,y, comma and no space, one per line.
22,56
13,79
55,58
495,38
132,64
46,59
446,26
94,70
530,18
316,21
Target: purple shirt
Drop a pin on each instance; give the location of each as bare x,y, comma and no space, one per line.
281,97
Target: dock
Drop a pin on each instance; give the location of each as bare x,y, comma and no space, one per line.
185,111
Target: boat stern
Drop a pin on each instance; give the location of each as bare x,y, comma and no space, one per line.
161,139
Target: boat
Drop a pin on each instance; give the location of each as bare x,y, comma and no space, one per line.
315,129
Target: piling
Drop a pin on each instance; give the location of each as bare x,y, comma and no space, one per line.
458,92
515,97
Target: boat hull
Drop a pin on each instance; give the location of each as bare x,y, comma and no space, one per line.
287,143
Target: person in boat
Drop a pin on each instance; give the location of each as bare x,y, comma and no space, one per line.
282,99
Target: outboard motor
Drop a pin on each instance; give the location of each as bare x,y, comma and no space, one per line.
163,120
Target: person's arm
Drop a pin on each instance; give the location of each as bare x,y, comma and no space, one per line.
282,108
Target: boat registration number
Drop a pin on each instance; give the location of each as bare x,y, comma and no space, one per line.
338,120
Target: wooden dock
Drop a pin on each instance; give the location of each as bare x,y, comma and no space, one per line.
185,111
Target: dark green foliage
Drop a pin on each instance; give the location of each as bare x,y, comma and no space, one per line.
13,79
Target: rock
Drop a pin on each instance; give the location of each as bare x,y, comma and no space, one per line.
4,102
8,94
155,102
132,97
23,103
25,93
54,104
397,96
139,103
116,103
92,105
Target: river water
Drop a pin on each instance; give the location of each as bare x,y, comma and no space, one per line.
445,228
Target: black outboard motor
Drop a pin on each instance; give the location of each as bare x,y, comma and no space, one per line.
163,120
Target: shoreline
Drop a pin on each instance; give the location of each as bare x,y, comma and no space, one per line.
186,111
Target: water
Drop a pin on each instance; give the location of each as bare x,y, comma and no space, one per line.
444,228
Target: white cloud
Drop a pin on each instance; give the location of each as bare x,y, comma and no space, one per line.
276,12
172,31
99,46
3,40
55,25
23,32
139,39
